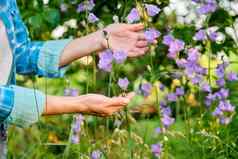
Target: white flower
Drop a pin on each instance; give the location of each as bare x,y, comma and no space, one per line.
59,31
220,38
234,7
232,33
115,19
167,11
180,19
212,29
182,8
45,2
72,23
190,18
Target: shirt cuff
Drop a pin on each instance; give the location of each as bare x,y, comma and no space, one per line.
28,106
49,58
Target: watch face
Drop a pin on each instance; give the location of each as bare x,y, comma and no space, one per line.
6,56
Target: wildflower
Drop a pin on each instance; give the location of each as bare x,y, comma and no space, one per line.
166,111
123,83
146,89
156,149
133,16
161,87
75,139
175,47
72,23
222,93
225,120
96,154
120,56
232,76
92,18
151,34
172,97
193,55
105,61
85,6
152,10
226,106
209,99
80,8
206,87
207,8
59,31
197,79
200,35
221,82
63,7
168,39
180,91
158,130
167,121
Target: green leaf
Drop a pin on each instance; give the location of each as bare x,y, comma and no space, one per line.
35,21
52,16
233,87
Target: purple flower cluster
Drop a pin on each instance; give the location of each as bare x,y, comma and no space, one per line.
175,45
107,57
151,35
156,149
92,18
96,154
123,83
133,16
193,70
86,6
202,35
76,129
166,114
152,10
71,92
209,6
225,109
146,89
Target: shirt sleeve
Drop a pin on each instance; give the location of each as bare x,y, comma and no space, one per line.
16,110
38,58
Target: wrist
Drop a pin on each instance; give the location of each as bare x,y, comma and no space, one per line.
100,40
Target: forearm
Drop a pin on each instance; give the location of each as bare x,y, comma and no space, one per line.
64,105
81,47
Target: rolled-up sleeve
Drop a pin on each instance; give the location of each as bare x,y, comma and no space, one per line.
28,106
32,57
41,58
20,106
49,58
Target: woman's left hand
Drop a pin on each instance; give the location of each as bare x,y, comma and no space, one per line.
127,37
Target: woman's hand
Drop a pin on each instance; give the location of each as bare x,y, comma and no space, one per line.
127,37
104,106
89,104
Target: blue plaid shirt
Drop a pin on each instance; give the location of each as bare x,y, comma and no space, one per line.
38,58
19,105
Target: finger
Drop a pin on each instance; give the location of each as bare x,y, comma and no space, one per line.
130,95
141,36
142,44
136,27
139,51
119,101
